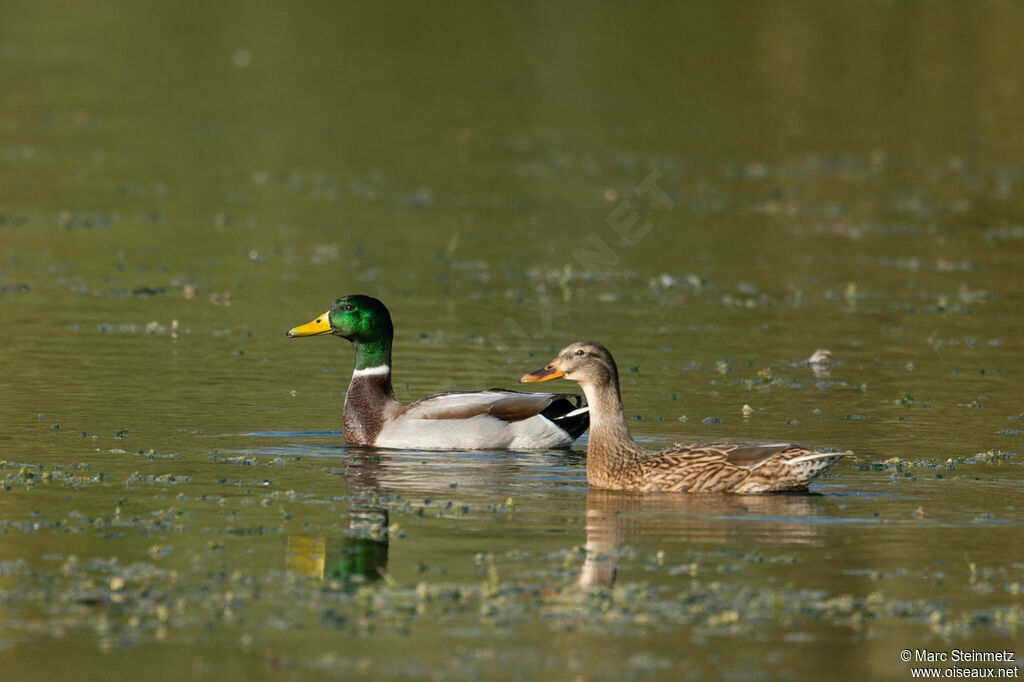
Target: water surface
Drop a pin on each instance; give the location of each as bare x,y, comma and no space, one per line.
712,192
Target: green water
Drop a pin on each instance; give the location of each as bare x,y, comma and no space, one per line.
712,191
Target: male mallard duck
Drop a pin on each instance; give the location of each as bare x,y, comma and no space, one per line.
459,420
616,462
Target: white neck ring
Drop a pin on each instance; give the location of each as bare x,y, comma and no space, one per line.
378,371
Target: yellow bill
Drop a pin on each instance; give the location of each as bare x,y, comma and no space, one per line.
321,325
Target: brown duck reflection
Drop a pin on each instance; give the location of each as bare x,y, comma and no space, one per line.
361,555
614,518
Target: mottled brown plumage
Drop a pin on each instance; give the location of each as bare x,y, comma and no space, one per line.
616,462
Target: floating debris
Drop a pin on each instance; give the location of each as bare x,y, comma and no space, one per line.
822,356
14,288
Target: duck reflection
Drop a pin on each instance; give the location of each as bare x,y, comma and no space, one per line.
362,554
613,517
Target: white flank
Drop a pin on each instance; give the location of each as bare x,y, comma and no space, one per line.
378,371
482,432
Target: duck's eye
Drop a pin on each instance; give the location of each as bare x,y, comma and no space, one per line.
580,351
348,307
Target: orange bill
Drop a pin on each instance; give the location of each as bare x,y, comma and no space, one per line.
543,374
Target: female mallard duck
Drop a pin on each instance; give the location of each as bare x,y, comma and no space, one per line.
459,420
616,462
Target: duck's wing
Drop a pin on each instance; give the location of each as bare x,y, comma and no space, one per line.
737,467
509,406
697,468
751,456
465,420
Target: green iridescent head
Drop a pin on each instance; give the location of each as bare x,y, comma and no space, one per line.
363,320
